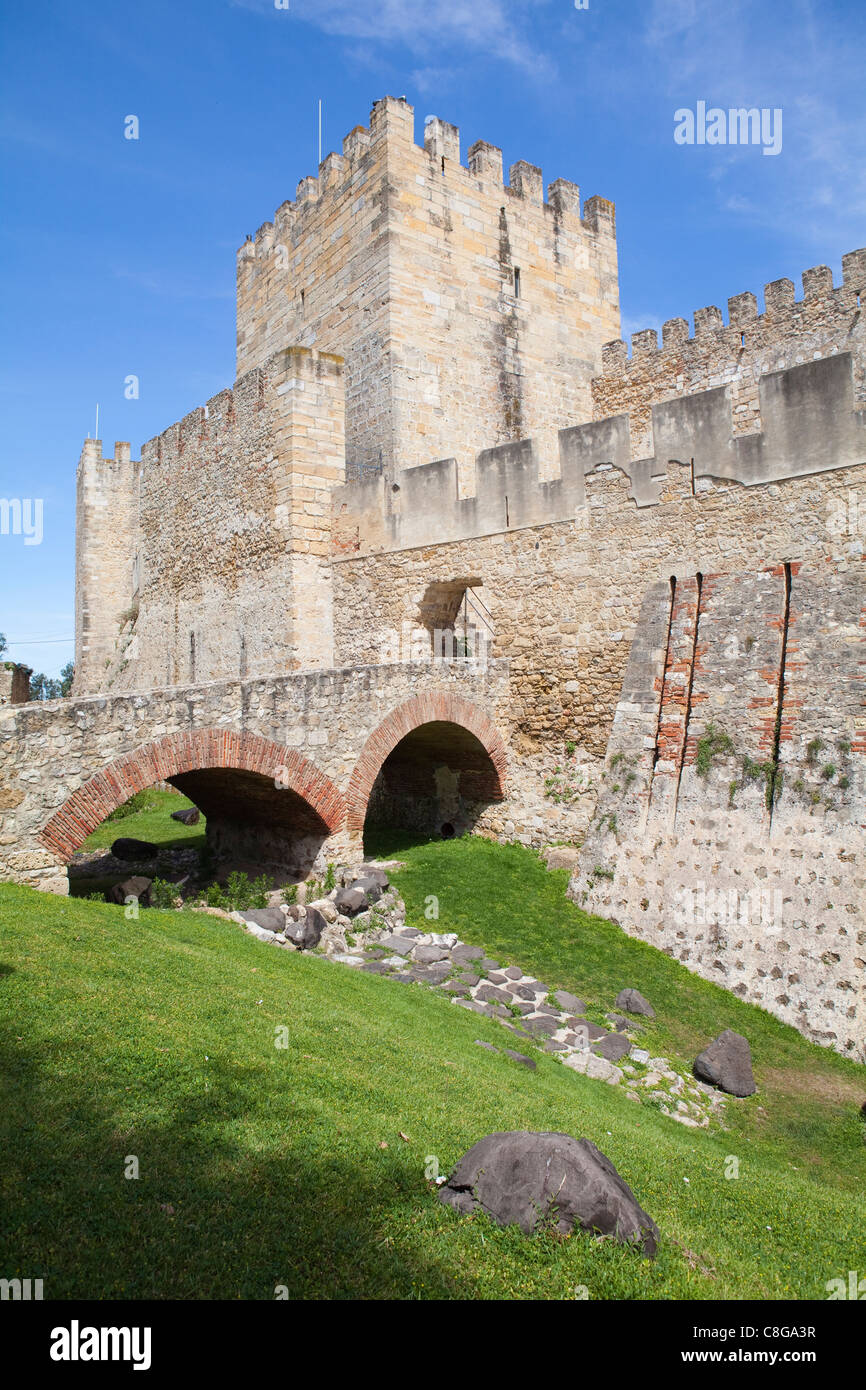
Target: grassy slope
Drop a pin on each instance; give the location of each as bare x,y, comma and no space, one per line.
153,823
156,1038
807,1109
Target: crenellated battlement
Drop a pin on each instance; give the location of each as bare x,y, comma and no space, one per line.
391,133
810,426
737,354
511,287
241,410
782,313
91,453
228,410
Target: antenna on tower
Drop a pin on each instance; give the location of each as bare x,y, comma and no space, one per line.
320,130
96,436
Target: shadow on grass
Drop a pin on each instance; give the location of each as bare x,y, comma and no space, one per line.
123,832
209,1216
387,842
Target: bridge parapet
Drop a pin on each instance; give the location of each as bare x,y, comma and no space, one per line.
66,764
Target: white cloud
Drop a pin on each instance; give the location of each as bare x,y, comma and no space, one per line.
430,28
814,74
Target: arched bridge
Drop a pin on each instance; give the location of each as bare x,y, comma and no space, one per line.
287,769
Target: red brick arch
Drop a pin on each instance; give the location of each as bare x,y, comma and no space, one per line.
188,752
434,707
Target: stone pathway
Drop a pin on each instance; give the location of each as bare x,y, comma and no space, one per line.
377,941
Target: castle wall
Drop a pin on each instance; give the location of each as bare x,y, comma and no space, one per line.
564,593
106,518
223,567
403,261
14,683
737,354
756,400
729,825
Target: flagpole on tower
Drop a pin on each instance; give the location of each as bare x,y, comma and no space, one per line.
320,130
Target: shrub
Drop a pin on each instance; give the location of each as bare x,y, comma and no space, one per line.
136,803
239,894
713,743
163,895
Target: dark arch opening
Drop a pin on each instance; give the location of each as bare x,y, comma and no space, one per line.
251,820
436,782
247,822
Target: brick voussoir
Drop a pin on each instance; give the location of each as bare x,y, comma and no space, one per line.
432,707
184,751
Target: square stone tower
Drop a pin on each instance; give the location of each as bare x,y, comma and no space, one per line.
469,313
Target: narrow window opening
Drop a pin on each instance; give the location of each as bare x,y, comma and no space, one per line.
693,477
742,340
517,282
303,300
507,522
443,164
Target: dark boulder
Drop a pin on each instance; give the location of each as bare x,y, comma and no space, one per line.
569,1002
306,933
271,918
375,873
531,1180
466,953
132,850
428,955
593,1032
350,901
489,994
612,1047
528,1062
369,887
540,1025
620,1023
138,888
190,816
633,1002
727,1063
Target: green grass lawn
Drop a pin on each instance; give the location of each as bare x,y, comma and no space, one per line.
261,1166
501,897
151,822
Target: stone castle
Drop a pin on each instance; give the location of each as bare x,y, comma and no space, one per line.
447,557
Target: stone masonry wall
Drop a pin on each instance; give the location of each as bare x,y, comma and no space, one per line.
106,519
14,683
209,558
729,827
403,261
737,354
564,565
333,726
564,598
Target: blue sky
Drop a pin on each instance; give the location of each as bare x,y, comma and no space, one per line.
118,256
